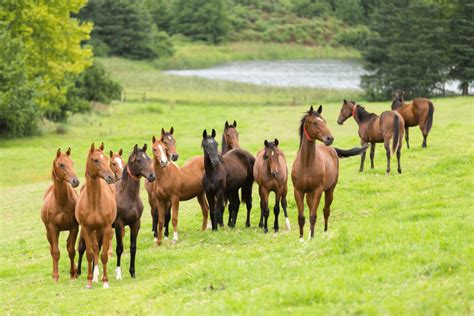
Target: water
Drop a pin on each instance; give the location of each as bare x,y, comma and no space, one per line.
327,74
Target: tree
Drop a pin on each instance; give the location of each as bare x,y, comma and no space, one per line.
204,20
461,40
408,50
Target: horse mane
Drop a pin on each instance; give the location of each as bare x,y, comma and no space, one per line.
362,113
301,128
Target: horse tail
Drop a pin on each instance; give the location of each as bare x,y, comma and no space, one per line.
396,133
247,187
429,120
344,153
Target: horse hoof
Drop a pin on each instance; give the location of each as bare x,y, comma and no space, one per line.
287,222
106,285
247,224
132,275
174,241
55,279
166,237
155,239
265,230
89,287
118,273
301,239
399,170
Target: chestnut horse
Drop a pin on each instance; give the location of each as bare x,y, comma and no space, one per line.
230,137
96,210
271,174
223,177
57,212
174,184
316,168
419,112
117,164
374,129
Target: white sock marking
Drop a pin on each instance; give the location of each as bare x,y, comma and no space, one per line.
95,275
175,236
118,273
106,285
287,222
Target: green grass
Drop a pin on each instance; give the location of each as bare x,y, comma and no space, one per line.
191,55
398,244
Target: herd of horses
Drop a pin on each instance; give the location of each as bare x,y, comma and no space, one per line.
110,198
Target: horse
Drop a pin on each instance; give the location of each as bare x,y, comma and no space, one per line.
230,137
271,173
117,164
174,184
223,177
374,129
419,112
96,211
316,168
57,212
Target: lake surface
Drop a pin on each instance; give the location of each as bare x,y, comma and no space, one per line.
328,74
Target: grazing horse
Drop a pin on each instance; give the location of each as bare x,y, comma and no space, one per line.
96,211
223,177
230,137
271,174
419,112
174,184
57,212
129,203
375,129
316,168
117,164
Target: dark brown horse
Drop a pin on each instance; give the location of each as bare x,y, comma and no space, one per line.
376,129
230,137
316,168
419,112
174,184
96,211
271,174
223,177
57,212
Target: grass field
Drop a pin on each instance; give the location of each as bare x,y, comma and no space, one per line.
398,244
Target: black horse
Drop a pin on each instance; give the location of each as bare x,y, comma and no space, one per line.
223,177
129,206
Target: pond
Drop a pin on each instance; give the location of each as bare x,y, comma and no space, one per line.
327,74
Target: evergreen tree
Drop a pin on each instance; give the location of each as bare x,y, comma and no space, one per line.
462,44
408,51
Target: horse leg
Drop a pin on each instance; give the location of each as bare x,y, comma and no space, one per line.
387,152
87,239
167,220
161,219
398,159
407,139
134,229
219,207
362,158
107,234
118,249
312,199
212,209
154,214
53,237
204,208
247,198
283,205
235,211
328,197
276,210
96,244
71,243
300,205
232,206
372,155
175,206
263,192
81,248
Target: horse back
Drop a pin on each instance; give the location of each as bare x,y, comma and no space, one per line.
239,165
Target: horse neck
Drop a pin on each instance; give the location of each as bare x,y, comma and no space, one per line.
129,185
160,172
307,151
359,118
225,145
94,188
60,189
208,168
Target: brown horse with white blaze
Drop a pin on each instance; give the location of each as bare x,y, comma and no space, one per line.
419,112
117,164
376,129
96,211
57,212
316,168
271,173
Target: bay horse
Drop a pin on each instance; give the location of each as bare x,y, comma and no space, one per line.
223,177
316,168
96,211
230,137
419,112
57,212
173,184
117,164
271,173
376,129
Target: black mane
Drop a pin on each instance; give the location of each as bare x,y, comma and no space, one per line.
303,119
362,114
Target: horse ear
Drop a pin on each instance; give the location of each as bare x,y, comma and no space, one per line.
311,109
265,143
120,152
320,109
345,101
153,139
171,130
235,123
135,148
162,131
68,152
276,142
101,146
92,147
226,124
144,147
111,154
204,133
58,153
213,133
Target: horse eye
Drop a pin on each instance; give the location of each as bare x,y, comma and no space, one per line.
96,160
113,163
61,165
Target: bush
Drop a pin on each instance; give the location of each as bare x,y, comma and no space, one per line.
356,37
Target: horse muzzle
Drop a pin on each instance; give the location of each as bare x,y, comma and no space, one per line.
151,177
329,140
75,182
174,157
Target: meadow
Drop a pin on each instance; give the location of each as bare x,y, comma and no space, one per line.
398,244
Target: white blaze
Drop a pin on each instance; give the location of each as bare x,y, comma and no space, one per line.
163,158
119,162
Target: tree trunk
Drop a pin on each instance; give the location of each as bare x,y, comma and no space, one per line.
465,87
